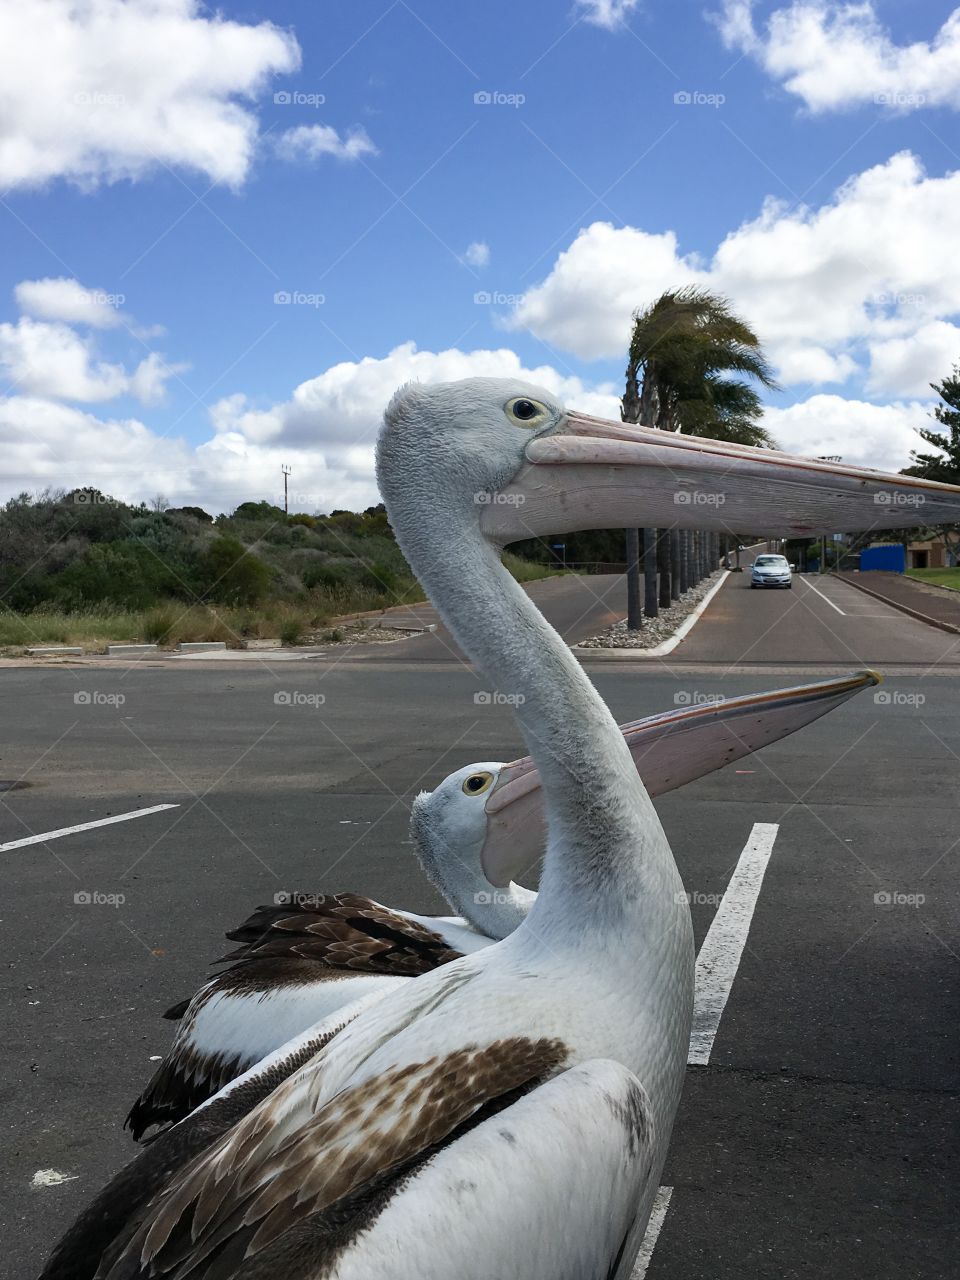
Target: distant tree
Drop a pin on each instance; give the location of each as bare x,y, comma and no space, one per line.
944,465
259,511
685,351
197,513
159,502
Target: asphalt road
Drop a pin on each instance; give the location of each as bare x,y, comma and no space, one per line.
822,1138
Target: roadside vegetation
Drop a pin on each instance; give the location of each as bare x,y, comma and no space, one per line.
939,577
80,567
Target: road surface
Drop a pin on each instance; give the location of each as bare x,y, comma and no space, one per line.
821,1136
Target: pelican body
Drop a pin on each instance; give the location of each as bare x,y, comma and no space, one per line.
507,1114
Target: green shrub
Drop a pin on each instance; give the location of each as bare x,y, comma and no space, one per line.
231,574
291,631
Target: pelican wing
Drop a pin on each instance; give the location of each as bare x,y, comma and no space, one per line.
288,1174
301,960
670,750
557,1186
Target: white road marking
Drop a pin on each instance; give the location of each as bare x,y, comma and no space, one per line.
722,948
661,1204
85,826
823,597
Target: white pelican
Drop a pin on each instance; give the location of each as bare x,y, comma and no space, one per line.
507,1114
306,958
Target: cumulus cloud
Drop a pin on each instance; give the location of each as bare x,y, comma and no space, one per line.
61,298
311,141
823,287
477,254
49,358
53,360
325,431
865,434
836,56
107,90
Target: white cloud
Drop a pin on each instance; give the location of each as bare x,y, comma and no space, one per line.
909,365
61,298
326,431
869,435
54,361
835,56
311,141
107,90
820,286
606,13
477,254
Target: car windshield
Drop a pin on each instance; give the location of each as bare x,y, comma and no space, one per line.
770,561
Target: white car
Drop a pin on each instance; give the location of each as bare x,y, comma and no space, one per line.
771,571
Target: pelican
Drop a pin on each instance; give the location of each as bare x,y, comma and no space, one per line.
311,955
507,1114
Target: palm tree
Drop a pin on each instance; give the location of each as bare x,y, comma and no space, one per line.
686,350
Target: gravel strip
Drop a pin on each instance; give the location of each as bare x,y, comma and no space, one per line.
655,630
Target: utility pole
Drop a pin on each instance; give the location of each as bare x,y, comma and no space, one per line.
286,475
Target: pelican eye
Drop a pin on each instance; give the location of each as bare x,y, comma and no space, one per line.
529,413
477,783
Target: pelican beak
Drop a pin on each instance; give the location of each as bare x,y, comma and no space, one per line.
588,473
669,750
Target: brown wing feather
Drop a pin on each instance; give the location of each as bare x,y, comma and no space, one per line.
343,930
252,1188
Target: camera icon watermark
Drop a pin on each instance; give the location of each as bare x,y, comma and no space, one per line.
698,498
484,498
89,498
495,98
292,898
94,698
694,898
696,98
696,698
891,498
497,298
494,698
893,898
97,898
294,98
294,698
897,698
297,298
899,98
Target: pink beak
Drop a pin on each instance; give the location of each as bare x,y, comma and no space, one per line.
592,474
670,750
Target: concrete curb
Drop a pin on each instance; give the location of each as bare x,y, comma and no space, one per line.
902,608
665,646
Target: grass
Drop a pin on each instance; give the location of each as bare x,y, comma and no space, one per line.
939,577
171,621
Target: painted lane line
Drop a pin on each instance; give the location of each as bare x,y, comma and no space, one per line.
85,826
823,597
722,948
661,1203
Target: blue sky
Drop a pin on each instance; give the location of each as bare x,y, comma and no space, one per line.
185,168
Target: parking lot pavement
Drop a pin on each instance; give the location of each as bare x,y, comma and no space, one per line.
819,1139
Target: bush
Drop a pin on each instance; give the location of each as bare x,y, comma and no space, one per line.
291,631
232,574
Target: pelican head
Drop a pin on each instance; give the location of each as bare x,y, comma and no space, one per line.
450,827
511,452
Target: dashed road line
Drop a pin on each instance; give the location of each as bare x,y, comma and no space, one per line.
823,597
722,948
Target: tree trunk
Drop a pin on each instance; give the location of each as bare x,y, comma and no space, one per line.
674,564
684,561
649,573
634,614
663,566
